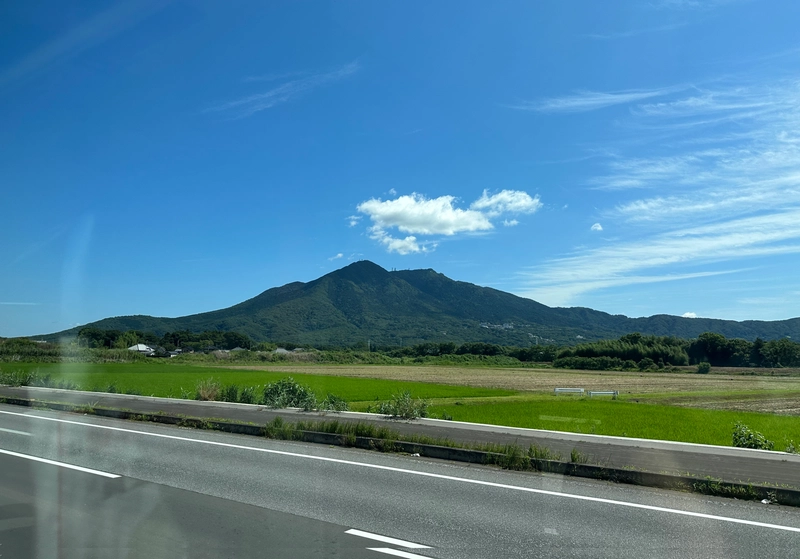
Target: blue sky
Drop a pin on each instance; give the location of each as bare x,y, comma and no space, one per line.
169,158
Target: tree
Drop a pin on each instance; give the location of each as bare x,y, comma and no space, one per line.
704,368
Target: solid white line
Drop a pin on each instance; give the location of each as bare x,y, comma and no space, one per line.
424,474
386,539
13,432
61,464
397,553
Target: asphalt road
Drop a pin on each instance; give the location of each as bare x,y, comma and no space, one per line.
48,510
727,463
210,494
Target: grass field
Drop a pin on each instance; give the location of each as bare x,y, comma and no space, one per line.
166,380
651,405
620,418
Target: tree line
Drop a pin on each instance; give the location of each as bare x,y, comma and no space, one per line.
649,352
631,352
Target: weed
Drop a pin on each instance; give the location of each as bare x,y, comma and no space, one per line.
712,486
229,393
514,458
536,452
185,394
207,390
111,388
279,429
288,393
332,402
744,437
17,378
403,406
577,457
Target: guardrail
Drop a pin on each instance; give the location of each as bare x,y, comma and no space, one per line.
612,393
568,390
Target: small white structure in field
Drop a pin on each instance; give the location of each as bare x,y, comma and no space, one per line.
141,348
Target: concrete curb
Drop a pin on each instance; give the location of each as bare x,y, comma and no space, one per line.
707,486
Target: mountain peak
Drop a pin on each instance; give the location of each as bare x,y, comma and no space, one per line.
362,271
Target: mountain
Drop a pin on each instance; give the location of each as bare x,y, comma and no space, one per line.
362,302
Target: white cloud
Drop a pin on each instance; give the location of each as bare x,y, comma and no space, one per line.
337,256
689,315
353,220
415,214
506,201
392,192
582,101
597,227
419,215
251,104
408,245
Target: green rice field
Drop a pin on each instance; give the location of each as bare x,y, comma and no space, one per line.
630,416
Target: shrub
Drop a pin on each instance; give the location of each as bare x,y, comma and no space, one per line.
647,364
704,368
17,378
207,390
288,393
229,393
403,406
333,403
248,395
744,437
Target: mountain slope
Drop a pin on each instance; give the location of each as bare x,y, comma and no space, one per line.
364,302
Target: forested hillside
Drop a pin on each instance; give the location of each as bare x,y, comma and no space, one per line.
364,303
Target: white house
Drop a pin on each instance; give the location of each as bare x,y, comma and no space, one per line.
141,348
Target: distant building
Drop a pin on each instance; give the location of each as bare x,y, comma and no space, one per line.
141,348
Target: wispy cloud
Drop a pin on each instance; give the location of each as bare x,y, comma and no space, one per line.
415,214
251,104
749,164
596,227
654,258
336,256
636,32
89,34
582,101
720,183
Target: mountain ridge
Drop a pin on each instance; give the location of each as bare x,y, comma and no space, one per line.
363,301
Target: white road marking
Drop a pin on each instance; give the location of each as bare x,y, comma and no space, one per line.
13,432
397,553
386,539
61,464
423,474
